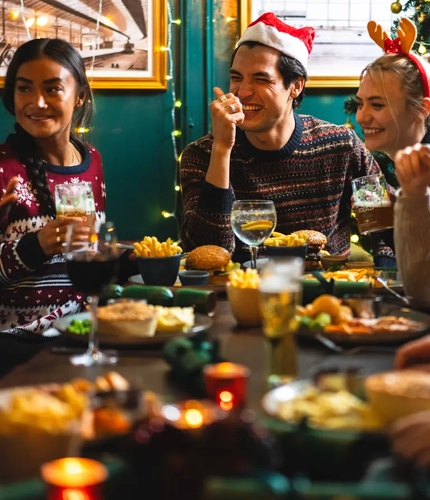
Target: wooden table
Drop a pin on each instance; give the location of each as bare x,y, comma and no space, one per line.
149,370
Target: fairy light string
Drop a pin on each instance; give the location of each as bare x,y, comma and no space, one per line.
176,103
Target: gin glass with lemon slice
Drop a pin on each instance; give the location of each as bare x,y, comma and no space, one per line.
253,221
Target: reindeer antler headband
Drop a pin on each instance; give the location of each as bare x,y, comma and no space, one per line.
407,34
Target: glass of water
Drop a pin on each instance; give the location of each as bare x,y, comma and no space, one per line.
280,292
253,221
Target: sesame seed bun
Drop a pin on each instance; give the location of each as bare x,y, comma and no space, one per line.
313,238
208,258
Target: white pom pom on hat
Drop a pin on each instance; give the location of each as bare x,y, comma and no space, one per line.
271,31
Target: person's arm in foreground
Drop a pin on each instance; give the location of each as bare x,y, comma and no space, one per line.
410,437
412,222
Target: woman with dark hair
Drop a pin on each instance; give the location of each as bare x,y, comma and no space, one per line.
47,91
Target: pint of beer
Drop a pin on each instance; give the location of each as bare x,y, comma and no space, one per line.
280,294
373,208
76,200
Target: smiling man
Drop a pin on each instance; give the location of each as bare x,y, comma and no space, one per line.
261,149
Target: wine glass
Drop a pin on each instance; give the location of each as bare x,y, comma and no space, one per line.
280,292
253,221
92,265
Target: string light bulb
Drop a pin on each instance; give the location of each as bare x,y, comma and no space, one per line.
355,238
176,103
167,215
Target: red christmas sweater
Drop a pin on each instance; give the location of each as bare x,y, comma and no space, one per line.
35,289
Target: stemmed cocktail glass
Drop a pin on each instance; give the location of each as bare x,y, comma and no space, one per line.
253,221
92,265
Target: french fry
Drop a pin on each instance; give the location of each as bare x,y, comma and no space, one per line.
244,279
151,247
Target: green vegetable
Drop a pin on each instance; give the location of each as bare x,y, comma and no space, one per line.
80,326
322,320
305,320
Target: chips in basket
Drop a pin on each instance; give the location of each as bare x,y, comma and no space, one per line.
151,247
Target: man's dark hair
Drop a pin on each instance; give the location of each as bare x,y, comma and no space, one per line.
291,69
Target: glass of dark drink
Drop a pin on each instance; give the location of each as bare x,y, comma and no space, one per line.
373,208
92,265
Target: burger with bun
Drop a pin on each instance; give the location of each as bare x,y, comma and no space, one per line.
316,242
212,258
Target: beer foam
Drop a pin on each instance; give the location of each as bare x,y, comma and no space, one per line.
373,204
277,285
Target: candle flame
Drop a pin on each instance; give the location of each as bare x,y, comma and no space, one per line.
73,494
73,466
194,418
226,400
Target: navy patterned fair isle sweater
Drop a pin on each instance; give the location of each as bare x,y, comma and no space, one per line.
35,289
309,180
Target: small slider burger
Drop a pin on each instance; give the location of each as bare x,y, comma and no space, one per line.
211,258
316,242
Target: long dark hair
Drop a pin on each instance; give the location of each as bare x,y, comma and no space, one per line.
67,56
291,69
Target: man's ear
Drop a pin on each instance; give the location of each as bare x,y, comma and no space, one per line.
297,87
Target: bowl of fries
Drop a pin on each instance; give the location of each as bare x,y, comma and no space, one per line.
243,296
158,262
281,245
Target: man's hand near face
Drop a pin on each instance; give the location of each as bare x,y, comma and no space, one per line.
226,113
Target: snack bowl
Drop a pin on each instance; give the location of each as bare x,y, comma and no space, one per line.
328,261
33,432
286,251
244,304
397,394
358,265
193,277
161,271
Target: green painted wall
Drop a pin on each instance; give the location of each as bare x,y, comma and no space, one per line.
132,129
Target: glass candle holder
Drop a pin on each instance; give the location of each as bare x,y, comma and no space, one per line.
226,384
74,478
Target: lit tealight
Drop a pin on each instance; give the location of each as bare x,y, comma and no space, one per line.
226,384
74,472
194,418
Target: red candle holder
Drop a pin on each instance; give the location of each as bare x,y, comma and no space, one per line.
74,479
226,384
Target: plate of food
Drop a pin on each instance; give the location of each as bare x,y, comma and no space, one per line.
323,408
127,330
360,320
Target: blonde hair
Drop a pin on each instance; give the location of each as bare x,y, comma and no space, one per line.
409,79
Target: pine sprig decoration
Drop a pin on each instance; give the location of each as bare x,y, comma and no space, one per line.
417,11
350,106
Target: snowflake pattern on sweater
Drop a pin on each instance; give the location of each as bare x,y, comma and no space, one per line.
309,180
33,297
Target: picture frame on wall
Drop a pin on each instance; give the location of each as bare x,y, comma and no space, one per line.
342,46
123,46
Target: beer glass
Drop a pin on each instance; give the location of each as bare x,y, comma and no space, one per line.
76,200
253,221
280,292
373,208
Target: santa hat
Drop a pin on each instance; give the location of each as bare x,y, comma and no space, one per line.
271,31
